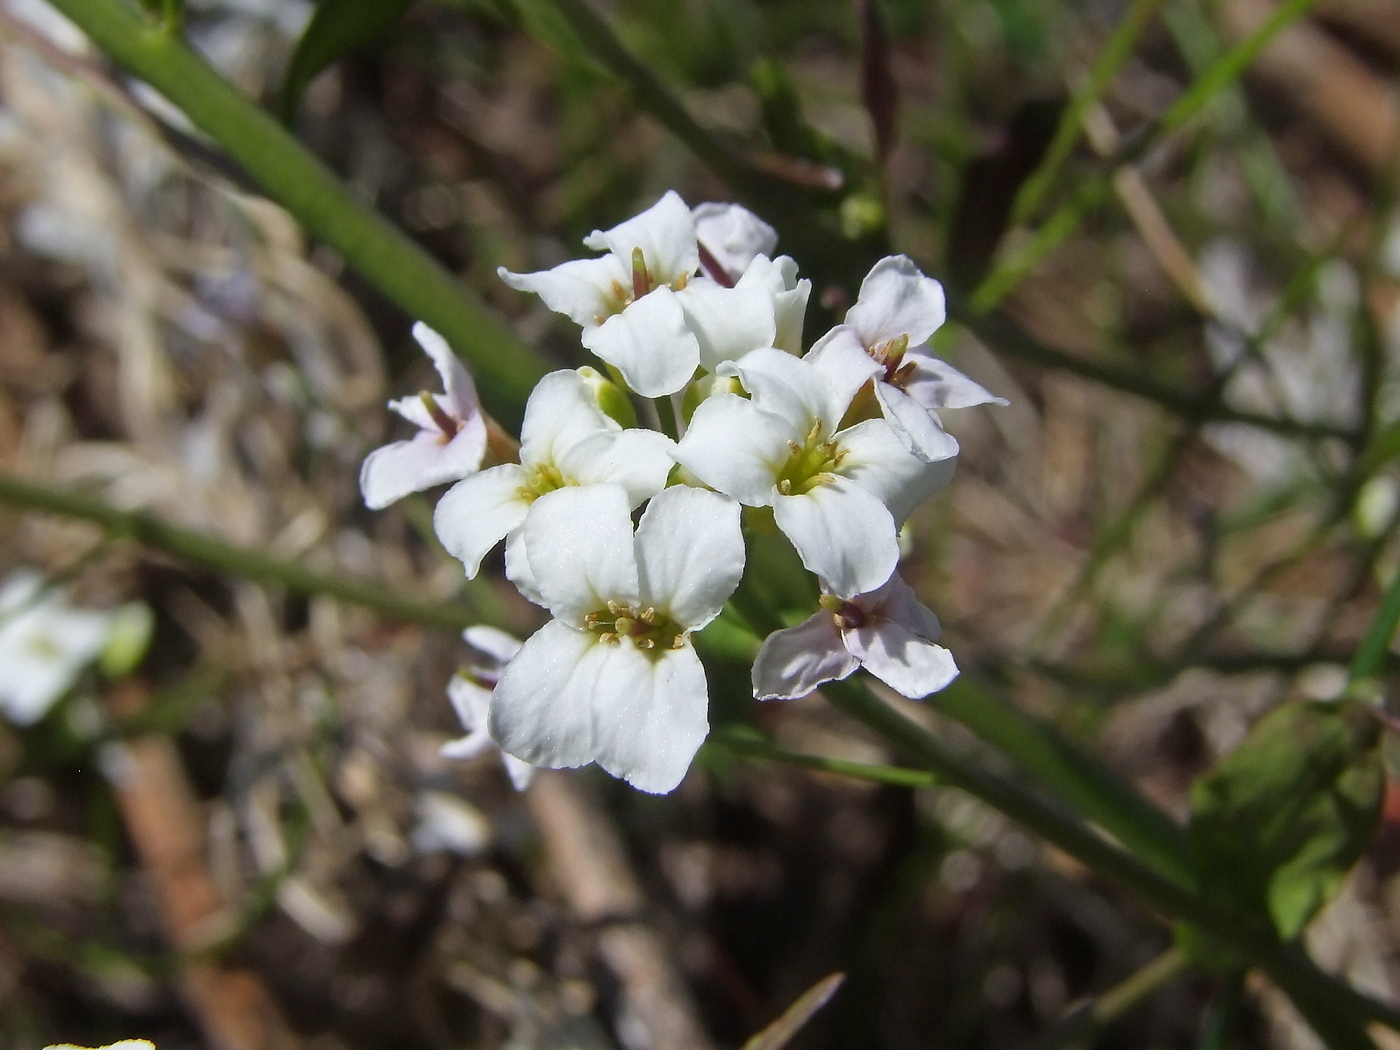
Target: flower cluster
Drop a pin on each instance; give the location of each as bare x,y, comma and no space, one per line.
699,328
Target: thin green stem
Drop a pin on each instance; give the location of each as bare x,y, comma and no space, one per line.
1115,52
205,550
1089,1019
741,740
1371,653
1292,970
506,368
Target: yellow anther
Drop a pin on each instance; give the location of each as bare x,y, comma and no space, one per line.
645,643
680,282
795,448
616,608
608,638
647,615
785,487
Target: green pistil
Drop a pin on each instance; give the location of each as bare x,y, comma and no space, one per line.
641,280
543,478
810,464
647,629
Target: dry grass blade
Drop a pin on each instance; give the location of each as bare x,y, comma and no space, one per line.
782,1030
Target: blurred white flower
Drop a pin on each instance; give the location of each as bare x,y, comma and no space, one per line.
883,339
887,631
613,678
470,693
44,645
566,440
838,495
451,440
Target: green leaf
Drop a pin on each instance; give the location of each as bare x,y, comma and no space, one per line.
337,28
1277,825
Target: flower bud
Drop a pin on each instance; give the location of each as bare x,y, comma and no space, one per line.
609,397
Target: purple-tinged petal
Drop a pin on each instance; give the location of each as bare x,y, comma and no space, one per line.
908,665
896,601
495,645
462,402
393,471
733,236
842,533
793,662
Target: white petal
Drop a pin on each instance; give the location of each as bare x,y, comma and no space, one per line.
793,662
843,534
733,446
896,601
638,460
470,701
665,233
494,644
727,322
690,554
560,412
907,664
877,461
936,384
649,343
456,380
897,299
31,687
473,745
791,388
733,235
478,512
580,545
518,570
541,710
520,773
841,357
649,714
390,473
779,278
583,289
918,431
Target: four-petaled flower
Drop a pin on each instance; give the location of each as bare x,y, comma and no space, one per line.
613,678
44,645
838,495
566,439
470,693
887,631
882,342
451,440
642,306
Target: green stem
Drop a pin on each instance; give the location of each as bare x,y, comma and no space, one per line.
1292,970
505,367
205,550
1091,1018
1371,653
743,741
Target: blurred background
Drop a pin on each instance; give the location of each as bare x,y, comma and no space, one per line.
1185,517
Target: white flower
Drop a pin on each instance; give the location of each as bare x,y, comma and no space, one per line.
451,440
887,631
642,307
566,440
883,338
470,693
613,678
778,277
730,238
838,495
44,646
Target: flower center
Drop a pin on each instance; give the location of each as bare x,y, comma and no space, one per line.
848,615
810,464
543,478
647,629
439,415
890,356
644,282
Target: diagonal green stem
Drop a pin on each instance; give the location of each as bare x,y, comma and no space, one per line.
202,549
1371,653
506,368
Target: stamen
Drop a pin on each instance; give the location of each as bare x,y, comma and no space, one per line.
440,416
795,448
815,432
608,638
645,643
785,487
678,642
641,280
616,607
680,282
647,615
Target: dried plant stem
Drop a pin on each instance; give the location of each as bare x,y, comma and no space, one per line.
506,368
